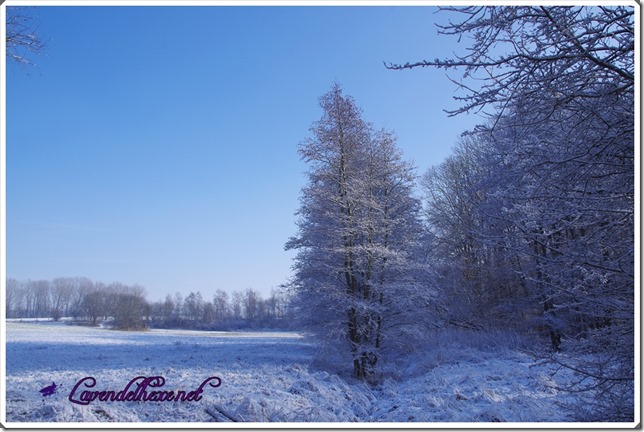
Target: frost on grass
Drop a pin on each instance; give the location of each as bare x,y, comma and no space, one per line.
268,377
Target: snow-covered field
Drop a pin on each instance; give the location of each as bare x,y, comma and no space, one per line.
265,377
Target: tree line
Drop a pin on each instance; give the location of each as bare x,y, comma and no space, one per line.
533,216
80,298
126,307
529,224
241,309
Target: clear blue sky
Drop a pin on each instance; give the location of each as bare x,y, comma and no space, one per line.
158,145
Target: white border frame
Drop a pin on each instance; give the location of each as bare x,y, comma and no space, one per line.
329,3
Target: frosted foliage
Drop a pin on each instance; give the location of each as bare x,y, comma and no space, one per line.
356,272
533,216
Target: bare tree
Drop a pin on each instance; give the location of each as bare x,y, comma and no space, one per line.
208,314
167,309
558,84
82,287
130,310
221,306
94,305
529,51
479,275
15,298
179,308
42,298
62,290
251,304
22,39
236,305
194,306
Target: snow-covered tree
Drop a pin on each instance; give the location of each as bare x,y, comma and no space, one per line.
251,304
221,306
568,53
558,86
356,277
469,247
193,305
572,205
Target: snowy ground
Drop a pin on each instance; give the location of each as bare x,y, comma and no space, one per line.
266,377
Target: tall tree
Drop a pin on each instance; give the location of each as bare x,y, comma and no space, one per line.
469,249
14,298
193,305
355,274
558,84
221,306
62,290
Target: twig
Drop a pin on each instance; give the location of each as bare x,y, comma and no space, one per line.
221,411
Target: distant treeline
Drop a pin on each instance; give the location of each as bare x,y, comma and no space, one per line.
245,309
126,307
